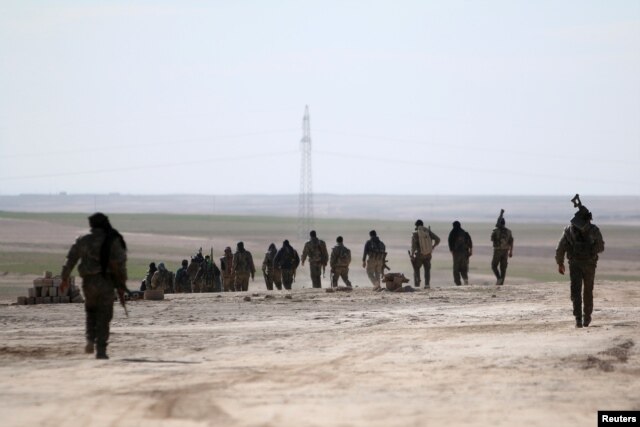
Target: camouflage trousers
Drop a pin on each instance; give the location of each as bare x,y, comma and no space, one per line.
423,261
242,281
340,272
582,277
98,306
228,282
287,278
315,269
500,260
374,270
273,277
460,267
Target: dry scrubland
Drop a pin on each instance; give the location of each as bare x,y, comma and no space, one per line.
473,355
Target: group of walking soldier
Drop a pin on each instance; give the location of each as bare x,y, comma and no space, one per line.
102,257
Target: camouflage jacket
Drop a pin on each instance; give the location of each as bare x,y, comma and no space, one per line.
502,238
182,279
374,248
226,263
287,258
162,279
208,272
243,262
316,250
267,263
580,246
86,249
460,241
340,256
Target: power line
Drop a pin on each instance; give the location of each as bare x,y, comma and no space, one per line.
155,166
538,154
122,147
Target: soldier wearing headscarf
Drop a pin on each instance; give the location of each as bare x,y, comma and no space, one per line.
461,248
103,257
163,279
287,260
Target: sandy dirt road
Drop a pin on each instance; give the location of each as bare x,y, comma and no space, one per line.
468,356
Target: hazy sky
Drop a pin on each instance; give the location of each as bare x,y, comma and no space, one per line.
415,97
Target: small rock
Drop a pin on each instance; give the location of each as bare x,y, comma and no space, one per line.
288,296
247,298
493,296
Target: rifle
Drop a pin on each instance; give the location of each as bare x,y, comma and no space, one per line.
576,201
412,258
500,217
384,263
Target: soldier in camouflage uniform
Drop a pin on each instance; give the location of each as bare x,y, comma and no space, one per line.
581,242
182,282
502,240
272,275
287,261
461,248
208,276
373,258
146,283
243,267
226,264
103,256
316,250
163,279
339,263
423,242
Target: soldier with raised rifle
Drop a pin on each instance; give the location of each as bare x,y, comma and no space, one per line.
581,241
502,240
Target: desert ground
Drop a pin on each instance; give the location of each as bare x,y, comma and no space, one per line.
472,356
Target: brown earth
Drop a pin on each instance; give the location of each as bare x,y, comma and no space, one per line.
468,356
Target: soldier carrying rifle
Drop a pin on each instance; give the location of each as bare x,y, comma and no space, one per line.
581,241
103,267
502,240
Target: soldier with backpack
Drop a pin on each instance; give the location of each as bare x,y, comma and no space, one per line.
502,240
287,260
242,268
373,258
423,242
461,248
316,250
339,263
581,242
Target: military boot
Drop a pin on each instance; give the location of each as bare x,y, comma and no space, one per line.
587,320
102,354
89,349
578,322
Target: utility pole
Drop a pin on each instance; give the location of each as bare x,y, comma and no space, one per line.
305,207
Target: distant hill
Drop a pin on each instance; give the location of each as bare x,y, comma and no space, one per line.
606,209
